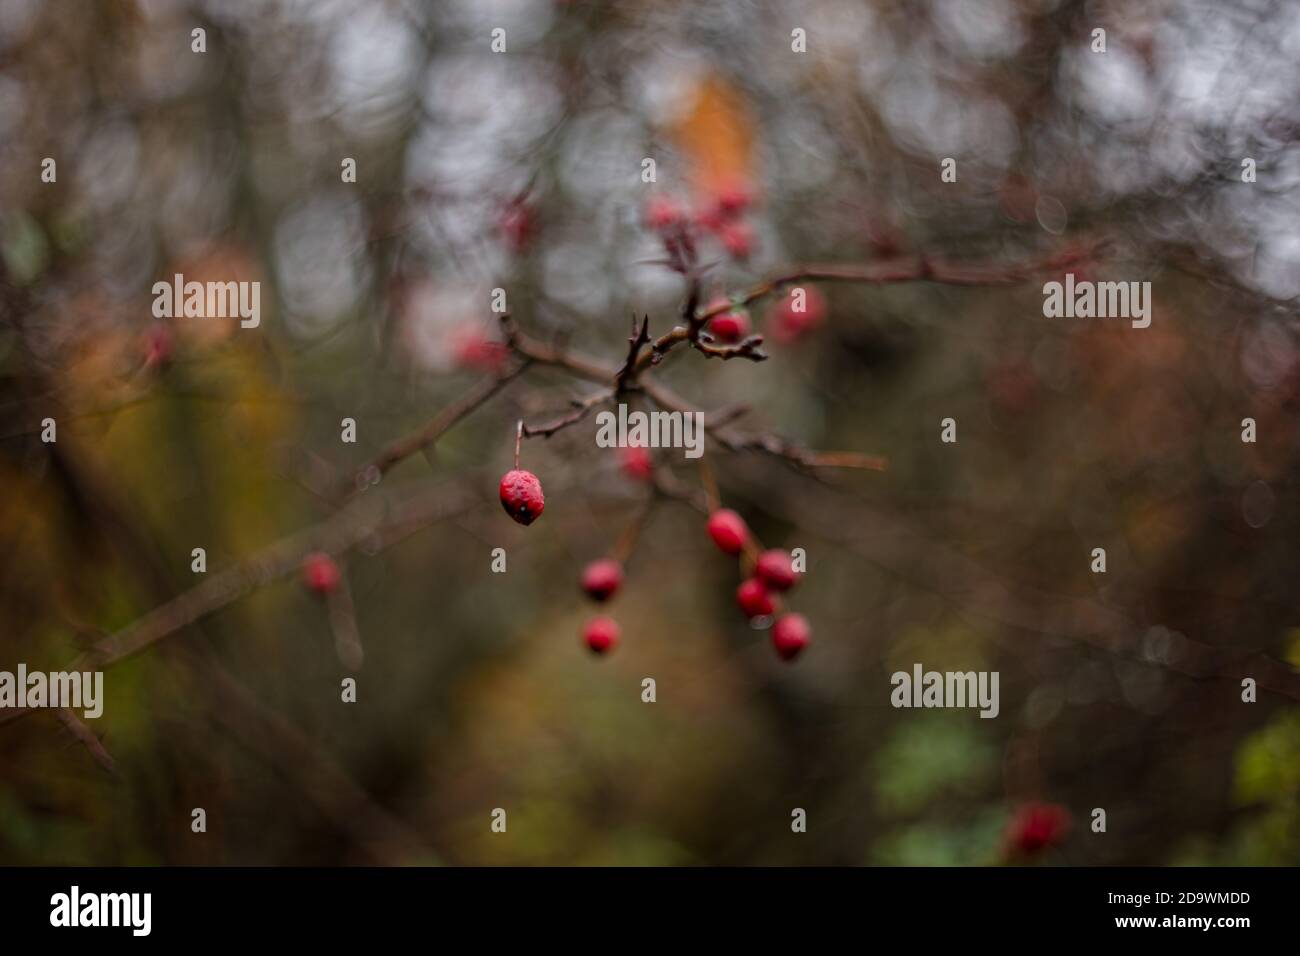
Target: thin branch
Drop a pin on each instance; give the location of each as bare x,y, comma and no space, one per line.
635,343
774,445
433,430
751,348
581,409
88,739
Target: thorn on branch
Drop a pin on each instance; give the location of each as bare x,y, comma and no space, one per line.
750,348
636,341
581,408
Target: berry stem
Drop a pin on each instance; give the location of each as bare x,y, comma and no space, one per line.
519,438
622,549
710,484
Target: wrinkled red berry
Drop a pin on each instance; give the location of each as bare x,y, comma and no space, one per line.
730,326
320,573
601,634
775,569
1036,826
790,635
636,462
521,495
601,579
728,530
754,598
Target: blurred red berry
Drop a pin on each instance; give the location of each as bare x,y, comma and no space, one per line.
738,239
600,579
775,569
708,220
1036,826
601,634
473,350
662,213
798,312
728,530
320,573
754,598
733,197
521,495
730,326
636,463
790,635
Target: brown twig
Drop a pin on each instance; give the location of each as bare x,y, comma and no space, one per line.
88,739
774,445
637,339
751,348
429,433
581,409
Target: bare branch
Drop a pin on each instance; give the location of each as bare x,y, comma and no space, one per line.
428,434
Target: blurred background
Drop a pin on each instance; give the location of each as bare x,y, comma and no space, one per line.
522,170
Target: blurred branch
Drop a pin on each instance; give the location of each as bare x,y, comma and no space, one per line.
428,434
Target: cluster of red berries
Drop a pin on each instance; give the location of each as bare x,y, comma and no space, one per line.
721,216
773,574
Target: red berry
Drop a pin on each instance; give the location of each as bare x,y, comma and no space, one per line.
730,326
790,635
775,569
662,213
728,530
601,579
738,239
1036,826
320,573
734,196
795,314
521,495
636,463
709,219
601,634
472,349
754,598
